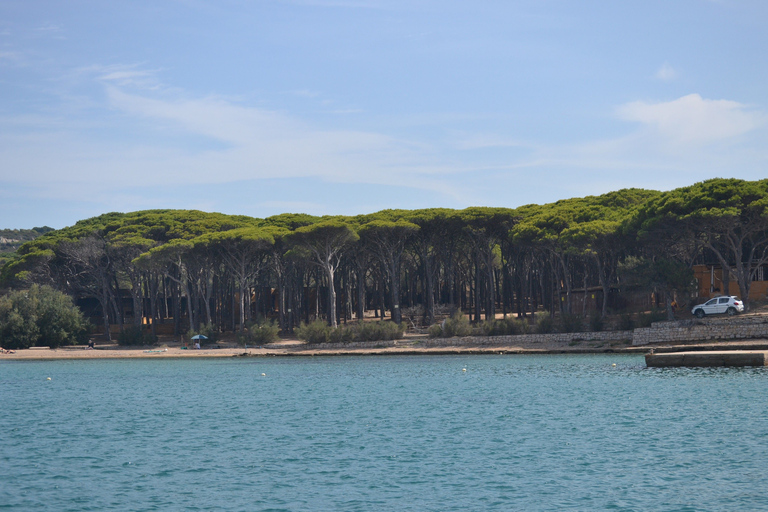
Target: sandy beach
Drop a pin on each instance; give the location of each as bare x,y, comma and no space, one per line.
288,348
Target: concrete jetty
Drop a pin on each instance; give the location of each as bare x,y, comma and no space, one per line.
711,359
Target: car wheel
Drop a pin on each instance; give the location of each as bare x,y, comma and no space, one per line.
700,313
731,311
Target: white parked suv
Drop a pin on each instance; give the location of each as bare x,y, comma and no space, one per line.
730,305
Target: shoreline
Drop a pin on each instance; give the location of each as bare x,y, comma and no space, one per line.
293,349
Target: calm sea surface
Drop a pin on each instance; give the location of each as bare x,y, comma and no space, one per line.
382,433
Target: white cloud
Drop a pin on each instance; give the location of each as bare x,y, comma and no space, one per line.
666,73
201,141
693,119
485,141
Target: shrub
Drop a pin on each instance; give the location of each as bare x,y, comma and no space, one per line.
626,323
435,331
570,323
596,323
545,324
259,333
456,325
314,332
341,334
132,335
493,328
504,327
378,331
40,316
319,332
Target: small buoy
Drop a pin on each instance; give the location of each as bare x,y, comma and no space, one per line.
614,364
264,374
49,378
463,369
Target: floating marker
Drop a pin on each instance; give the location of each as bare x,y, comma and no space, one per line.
49,378
263,374
614,364
463,369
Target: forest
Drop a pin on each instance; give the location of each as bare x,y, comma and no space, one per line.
190,268
11,240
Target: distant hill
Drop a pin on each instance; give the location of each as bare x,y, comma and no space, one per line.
11,239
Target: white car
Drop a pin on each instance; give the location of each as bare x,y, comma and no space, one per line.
730,305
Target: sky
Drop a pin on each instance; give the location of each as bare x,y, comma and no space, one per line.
343,107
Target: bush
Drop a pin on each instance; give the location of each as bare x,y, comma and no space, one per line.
40,316
132,335
570,323
319,332
259,333
626,323
435,331
377,331
504,327
545,324
456,325
596,323
341,334
315,332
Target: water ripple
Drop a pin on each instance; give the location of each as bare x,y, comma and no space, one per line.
384,433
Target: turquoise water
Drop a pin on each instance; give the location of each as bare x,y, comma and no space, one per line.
382,433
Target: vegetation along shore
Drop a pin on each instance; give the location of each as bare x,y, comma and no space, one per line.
616,261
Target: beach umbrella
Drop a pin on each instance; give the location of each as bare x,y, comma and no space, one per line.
199,337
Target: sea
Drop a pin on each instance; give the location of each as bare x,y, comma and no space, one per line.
401,433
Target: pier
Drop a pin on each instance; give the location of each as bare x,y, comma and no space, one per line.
708,359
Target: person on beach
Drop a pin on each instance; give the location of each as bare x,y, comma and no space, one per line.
197,345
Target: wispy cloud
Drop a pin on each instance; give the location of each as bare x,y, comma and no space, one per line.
246,143
666,73
49,28
131,78
490,140
693,119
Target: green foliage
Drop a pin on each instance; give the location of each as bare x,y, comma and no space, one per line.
570,323
259,333
376,331
457,325
661,274
314,332
504,327
341,334
40,316
544,323
133,335
320,332
435,331
664,234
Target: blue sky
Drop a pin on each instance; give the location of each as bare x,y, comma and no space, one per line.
353,106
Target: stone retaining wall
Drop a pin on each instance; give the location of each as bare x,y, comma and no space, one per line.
565,337
724,328
732,328
470,341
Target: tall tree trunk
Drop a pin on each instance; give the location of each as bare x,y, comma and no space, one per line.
429,292
360,272
329,274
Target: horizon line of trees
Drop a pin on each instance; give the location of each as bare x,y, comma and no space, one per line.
225,270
